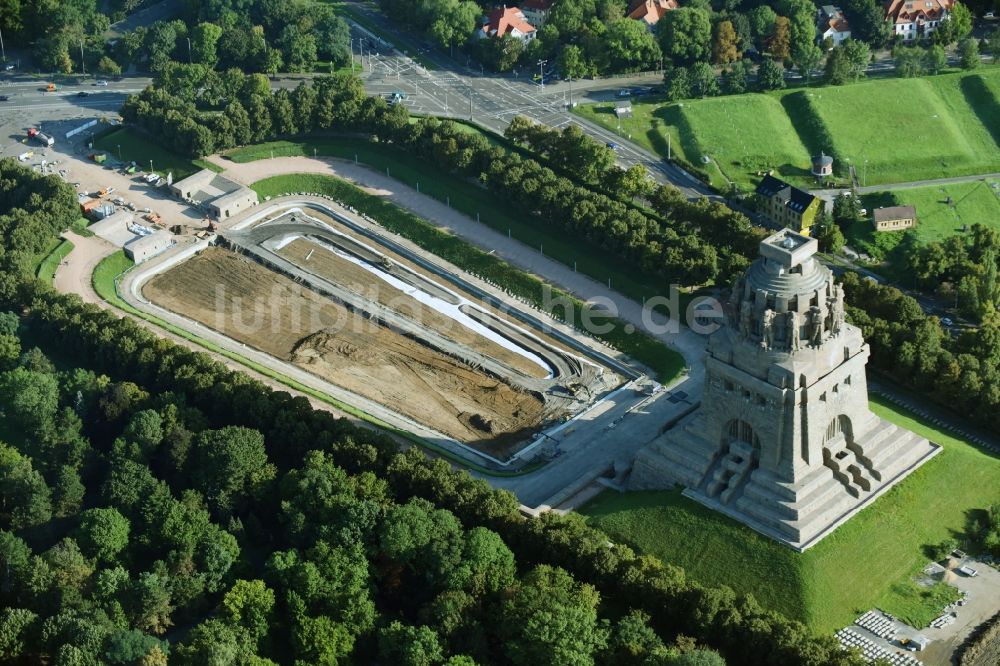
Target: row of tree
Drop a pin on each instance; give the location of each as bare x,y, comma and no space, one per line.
673,248
961,372
271,530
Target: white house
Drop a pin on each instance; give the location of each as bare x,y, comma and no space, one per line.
507,21
916,19
832,24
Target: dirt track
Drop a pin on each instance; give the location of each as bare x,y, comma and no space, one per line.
325,263
270,312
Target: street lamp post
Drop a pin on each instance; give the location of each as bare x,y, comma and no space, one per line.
150,166
541,72
119,152
3,52
189,51
83,65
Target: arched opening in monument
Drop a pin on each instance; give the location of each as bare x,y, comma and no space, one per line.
844,457
739,456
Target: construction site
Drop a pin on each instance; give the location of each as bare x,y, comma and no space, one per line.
303,283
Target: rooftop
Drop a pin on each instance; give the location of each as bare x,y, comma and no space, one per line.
505,19
895,213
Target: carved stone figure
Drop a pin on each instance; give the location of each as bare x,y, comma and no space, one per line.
792,322
767,329
734,302
815,326
746,314
838,311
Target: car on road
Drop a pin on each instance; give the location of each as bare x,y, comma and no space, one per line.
83,93
947,321
989,15
9,67
101,82
624,92
4,98
612,145
644,90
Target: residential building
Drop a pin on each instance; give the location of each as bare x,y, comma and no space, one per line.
894,218
507,21
650,11
536,12
916,19
832,24
787,206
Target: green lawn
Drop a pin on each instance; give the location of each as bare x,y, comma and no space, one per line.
471,199
665,362
907,129
971,203
867,562
136,146
660,129
47,269
912,129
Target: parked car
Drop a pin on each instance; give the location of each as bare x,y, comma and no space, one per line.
9,67
101,82
624,92
947,321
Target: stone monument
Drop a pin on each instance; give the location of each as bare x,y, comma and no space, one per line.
784,440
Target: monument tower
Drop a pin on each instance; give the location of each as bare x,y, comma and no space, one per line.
784,440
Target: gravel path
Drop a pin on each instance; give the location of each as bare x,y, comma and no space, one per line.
73,275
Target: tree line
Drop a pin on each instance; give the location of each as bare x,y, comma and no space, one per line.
126,513
683,243
258,36
960,372
154,488
963,271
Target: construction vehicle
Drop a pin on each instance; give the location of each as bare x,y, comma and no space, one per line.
41,137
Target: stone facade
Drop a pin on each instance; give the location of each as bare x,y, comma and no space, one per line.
784,439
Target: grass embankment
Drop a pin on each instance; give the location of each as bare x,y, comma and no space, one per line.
906,129
867,562
665,362
105,278
46,271
136,146
472,200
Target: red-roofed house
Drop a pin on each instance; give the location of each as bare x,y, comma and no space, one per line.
536,11
650,11
916,19
833,25
507,21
